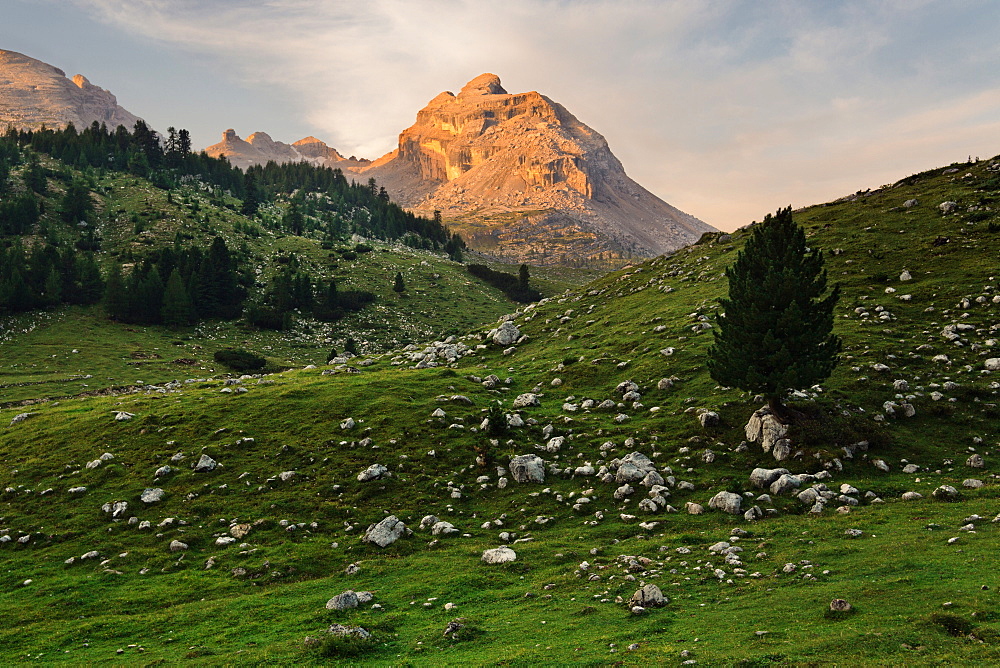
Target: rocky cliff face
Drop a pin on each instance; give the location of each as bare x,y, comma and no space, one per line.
259,149
523,178
33,93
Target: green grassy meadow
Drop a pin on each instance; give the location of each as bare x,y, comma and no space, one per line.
921,581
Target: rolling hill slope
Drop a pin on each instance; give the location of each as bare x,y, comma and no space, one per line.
298,481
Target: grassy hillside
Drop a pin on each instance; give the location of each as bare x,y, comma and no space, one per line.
69,350
919,577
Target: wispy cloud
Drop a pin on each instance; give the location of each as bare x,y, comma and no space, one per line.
725,109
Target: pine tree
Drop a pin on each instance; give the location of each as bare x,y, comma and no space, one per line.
177,309
115,299
398,284
776,329
251,200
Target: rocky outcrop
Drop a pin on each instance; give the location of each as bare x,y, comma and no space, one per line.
33,93
259,149
546,186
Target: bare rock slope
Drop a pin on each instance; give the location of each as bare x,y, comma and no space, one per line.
522,178
33,93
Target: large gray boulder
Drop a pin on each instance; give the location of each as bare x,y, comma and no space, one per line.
727,502
344,601
205,464
372,472
525,400
499,555
151,495
506,334
764,428
386,532
649,596
443,528
634,467
629,472
785,483
527,468
945,493
762,478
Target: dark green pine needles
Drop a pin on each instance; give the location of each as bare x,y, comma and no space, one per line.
776,329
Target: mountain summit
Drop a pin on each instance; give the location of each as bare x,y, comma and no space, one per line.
33,93
519,176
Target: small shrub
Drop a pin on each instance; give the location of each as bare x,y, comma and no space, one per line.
760,661
240,360
953,624
344,646
879,277
978,216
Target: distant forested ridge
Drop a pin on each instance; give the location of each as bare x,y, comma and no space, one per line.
51,247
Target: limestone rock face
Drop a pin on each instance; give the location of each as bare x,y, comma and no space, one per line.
533,173
259,149
33,93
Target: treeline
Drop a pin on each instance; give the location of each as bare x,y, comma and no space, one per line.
198,286
347,206
47,276
139,151
294,290
517,288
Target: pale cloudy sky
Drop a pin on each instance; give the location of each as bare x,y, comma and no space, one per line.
726,109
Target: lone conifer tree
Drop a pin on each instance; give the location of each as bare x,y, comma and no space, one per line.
776,330
398,284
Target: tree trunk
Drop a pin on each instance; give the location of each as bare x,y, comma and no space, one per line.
778,409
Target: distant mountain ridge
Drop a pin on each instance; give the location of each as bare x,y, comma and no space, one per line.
259,148
33,93
517,174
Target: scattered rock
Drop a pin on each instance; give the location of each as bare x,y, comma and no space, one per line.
708,419
785,483
649,596
762,478
506,334
344,601
152,495
727,502
372,472
386,532
499,555
525,400
945,493
527,468
205,464
839,605
21,417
